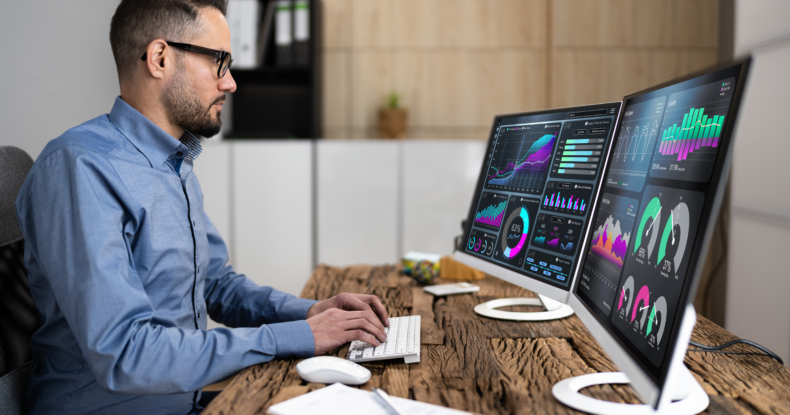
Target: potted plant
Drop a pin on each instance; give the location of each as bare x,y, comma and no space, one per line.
393,118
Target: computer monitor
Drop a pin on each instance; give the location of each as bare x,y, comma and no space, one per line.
664,180
533,200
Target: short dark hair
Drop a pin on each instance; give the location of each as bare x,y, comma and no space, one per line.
137,23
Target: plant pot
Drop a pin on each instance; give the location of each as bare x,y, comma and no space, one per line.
392,122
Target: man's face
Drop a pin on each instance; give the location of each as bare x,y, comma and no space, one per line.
194,94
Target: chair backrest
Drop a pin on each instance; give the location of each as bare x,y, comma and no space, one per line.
18,314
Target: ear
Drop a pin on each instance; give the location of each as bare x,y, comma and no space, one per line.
159,58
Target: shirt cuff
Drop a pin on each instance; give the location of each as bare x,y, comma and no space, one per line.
295,309
293,339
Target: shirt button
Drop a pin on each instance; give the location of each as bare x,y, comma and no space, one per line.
179,154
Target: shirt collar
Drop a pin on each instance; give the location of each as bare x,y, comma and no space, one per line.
155,144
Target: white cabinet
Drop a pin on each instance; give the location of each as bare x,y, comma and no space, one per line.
272,212
357,202
212,168
439,179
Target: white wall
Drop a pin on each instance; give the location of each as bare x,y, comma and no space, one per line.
58,70
759,275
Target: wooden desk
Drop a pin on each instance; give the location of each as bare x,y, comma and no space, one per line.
489,366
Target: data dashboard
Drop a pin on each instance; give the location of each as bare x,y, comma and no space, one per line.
535,192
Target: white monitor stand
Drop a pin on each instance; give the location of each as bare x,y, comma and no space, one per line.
554,309
688,397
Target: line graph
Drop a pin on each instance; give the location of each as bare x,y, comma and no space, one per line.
521,160
633,149
635,142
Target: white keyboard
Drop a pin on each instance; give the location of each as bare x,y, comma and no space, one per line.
403,340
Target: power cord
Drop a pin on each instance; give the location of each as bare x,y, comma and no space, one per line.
717,349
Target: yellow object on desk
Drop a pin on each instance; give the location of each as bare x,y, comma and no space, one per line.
454,270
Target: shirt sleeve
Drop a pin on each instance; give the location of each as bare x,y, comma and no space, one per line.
236,301
78,219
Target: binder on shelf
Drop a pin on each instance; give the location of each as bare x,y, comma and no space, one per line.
244,21
283,33
302,32
265,34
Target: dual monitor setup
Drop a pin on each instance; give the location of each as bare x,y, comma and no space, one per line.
607,211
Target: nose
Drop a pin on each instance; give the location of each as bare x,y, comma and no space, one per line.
227,83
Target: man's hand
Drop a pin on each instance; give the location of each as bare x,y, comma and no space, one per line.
345,318
352,302
335,327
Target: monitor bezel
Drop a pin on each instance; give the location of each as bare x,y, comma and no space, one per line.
531,283
652,389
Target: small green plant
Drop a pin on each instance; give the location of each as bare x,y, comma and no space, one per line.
393,100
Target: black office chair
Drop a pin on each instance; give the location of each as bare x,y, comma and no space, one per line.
18,314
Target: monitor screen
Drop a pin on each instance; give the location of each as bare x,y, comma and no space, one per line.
534,195
659,186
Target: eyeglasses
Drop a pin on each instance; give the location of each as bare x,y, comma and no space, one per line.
223,58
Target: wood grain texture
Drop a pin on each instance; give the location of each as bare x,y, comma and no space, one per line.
486,366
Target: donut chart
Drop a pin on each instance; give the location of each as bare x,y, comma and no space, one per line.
517,222
516,229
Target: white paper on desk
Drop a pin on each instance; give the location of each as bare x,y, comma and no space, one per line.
339,399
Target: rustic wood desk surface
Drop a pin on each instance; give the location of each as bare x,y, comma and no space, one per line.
489,366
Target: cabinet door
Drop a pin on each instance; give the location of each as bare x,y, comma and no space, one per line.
357,202
212,168
439,179
272,211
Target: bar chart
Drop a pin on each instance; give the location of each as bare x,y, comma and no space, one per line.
567,197
580,150
691,132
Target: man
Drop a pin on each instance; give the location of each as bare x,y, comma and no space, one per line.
124,265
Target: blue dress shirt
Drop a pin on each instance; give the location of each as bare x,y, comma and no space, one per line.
125,267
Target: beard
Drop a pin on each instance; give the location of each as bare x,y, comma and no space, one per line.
187,110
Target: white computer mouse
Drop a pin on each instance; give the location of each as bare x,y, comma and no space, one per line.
329,369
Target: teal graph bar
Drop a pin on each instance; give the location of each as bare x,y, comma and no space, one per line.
576,159
577,153
578,141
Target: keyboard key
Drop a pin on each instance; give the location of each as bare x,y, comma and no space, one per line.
368,352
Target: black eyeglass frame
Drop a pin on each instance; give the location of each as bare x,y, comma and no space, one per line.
220,55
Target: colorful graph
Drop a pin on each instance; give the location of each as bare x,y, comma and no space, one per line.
611,238
557,233
696,130
567,197
691,132
481,242
649,322
650,217
514,235
492,215
523,160
558,201
611,243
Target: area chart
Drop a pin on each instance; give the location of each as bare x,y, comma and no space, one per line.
521,160
491,210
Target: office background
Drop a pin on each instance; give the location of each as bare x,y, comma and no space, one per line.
456,63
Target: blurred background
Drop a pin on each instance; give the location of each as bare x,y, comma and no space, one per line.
300,174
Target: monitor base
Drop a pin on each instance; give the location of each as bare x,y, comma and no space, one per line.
554,309
688,396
